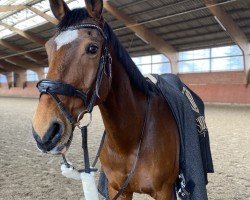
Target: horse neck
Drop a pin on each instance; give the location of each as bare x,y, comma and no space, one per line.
123,112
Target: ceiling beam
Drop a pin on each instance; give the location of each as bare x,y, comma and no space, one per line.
43,15
146,35
7,8
25,64
25,34
166,23
231,27
9,67
190,19
185,46
179,40
31,55
164,7
21,67
173,39
21,62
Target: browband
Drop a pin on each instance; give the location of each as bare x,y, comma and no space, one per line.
81,26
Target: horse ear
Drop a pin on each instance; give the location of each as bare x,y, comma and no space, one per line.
59,8
94,8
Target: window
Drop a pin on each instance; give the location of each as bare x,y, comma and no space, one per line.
194,66
227,63
3,79
227,58
31,76
195,54
157,64
145,69
161,68
226,51
194,61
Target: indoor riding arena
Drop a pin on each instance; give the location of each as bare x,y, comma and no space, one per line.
206,43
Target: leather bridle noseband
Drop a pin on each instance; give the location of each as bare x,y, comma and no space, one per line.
54,88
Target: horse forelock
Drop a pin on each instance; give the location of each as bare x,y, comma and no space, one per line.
73,17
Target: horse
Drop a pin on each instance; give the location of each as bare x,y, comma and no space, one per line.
91,68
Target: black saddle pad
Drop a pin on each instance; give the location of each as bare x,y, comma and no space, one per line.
188,111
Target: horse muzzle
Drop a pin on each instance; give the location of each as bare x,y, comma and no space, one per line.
51,139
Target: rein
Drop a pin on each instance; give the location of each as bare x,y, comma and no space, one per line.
54,88
130,174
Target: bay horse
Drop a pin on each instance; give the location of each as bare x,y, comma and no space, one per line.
139,124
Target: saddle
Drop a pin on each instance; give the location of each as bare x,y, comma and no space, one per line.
195,155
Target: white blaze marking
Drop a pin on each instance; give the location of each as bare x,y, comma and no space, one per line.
66,37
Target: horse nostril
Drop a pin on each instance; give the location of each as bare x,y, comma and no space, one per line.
53,131
36,136
51,138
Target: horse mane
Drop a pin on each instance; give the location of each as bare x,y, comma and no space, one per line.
76,16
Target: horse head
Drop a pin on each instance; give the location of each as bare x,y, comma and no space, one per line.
78,76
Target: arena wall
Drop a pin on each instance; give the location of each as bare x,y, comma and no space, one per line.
29,90
219,87
216,87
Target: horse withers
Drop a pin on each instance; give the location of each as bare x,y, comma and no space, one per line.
140,127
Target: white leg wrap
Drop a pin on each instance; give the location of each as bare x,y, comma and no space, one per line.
89,186
70,172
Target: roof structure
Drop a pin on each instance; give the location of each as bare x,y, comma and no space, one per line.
181,24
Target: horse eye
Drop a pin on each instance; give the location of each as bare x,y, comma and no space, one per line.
92,49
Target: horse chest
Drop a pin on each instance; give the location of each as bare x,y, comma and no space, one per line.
117,169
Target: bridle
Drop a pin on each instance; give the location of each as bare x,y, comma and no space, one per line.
54,88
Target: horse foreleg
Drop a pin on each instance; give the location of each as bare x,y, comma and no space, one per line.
124,196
